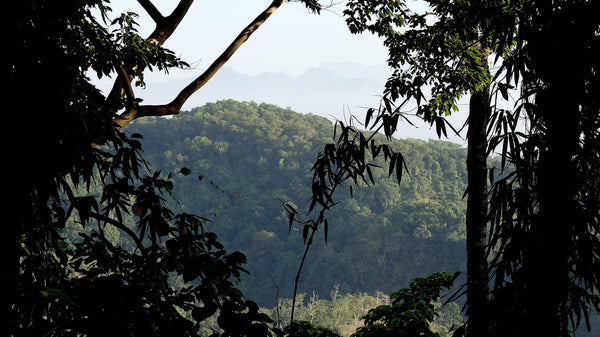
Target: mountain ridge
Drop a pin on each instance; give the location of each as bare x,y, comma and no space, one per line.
336,91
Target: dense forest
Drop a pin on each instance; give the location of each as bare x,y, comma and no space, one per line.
253,157
247,159
95,246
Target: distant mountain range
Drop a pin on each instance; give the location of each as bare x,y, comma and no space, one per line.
325,91
334,90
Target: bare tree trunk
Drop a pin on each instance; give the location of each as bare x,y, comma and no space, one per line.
477,205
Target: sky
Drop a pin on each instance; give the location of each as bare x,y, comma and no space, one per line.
292,42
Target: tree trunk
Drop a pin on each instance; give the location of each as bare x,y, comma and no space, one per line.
547,267
558,104
477,205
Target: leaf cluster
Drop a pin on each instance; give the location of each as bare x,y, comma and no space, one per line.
345,160
306,329
561,135
80,173
436,55
412,309
135,52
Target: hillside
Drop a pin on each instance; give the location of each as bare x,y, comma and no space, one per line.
252,157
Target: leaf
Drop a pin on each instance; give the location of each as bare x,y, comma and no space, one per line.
202,313
393,159
185,171
291,217
388,104
369,116
58,294
503,90
370,175
139,209
440,127
172,246
466,192
262,317
305,232
166,184
252,307
400,165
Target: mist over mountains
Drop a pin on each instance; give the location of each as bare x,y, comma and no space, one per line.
327,90
335,91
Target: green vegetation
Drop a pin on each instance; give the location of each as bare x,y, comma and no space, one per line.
253,157
537,107
94,244
346,313
372,236
412,310
139,267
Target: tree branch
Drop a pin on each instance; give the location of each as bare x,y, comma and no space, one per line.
174,106
117,224
224,57
152,10
165,26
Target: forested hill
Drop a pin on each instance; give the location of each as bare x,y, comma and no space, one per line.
251,158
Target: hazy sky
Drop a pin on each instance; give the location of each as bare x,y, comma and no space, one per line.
291,40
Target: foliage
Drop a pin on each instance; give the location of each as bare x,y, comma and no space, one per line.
544,213
305,329
434,54
438,55
117,291
140,268
343,313
547,208
412,309
76,168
